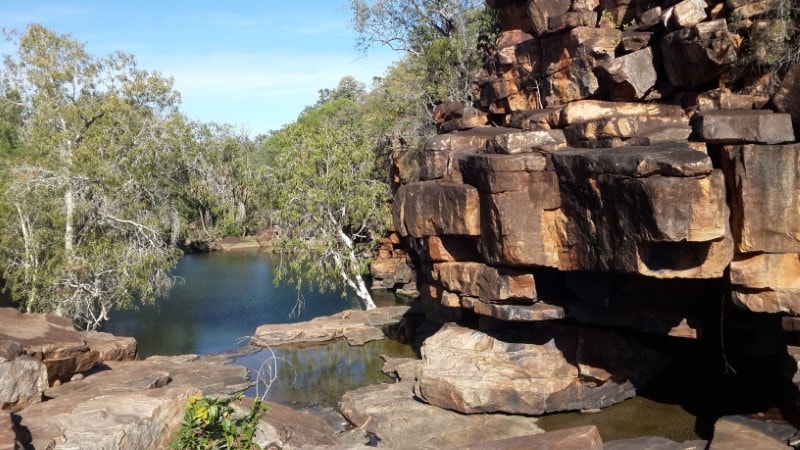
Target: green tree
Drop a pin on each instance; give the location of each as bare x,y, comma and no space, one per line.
442,36
84,215
327,196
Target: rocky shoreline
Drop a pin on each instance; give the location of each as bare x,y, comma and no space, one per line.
111,400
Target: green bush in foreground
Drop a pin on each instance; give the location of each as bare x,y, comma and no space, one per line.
210,423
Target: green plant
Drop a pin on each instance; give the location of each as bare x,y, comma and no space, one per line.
211,423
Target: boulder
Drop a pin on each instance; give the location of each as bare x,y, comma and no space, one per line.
572,19
490,284
430,208
540,12
401,421
358,327
110,347
767,282
724,99
630,76
535,370
584,438
23,379
50,339
286,428
539,311
526,142
471,120
686,13
635,40
787,96
699,54
764,191
439,156
586,110
744,433
535,119
743,126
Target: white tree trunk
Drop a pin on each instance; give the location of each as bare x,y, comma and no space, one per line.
69,230
357,281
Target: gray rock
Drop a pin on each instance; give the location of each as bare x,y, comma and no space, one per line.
541,11
698,54
536,312
50,339
23,380
131,404
583,438
787,97
391,412
110,347
674,160
430,208
358,327
526,142
764,190
547,368
744,433
743,127
630,76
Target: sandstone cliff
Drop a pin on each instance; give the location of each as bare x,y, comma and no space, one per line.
624,165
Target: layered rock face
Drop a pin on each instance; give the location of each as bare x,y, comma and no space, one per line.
610,173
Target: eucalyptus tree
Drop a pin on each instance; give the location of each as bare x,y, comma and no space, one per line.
327,197
85,214
442,37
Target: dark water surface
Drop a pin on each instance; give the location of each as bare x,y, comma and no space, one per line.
223,298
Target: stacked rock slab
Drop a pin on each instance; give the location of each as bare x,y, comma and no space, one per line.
625,185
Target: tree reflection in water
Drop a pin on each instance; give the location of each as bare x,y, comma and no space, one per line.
320,374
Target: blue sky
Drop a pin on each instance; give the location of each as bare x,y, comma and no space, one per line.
250,63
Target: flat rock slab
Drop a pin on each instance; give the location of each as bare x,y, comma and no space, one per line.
767,282
391,412
358,327
132,404
531,370
536,312
50,339
584,438
673,159
743,127
231,243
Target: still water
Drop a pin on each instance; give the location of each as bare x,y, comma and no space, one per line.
222,298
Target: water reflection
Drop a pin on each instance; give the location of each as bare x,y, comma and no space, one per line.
320,374
224,297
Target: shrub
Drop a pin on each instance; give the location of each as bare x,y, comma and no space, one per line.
211,423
